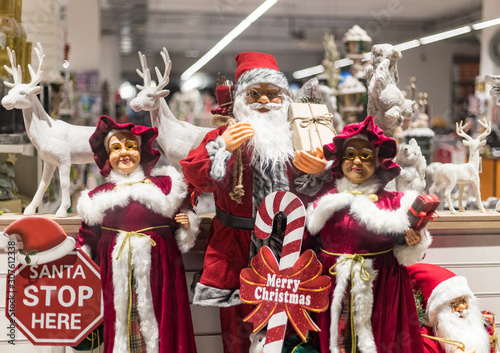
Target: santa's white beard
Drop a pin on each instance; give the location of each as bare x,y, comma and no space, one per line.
469,330
272,141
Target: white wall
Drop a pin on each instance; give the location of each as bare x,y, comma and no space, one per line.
84,32
431,64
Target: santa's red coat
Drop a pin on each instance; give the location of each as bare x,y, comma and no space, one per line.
227,251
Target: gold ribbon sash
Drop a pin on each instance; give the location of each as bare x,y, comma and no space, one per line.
363,274
140,234
446,340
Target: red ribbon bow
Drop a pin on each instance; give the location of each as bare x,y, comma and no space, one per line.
293,290
423,215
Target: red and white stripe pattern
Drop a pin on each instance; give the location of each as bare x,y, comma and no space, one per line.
295,211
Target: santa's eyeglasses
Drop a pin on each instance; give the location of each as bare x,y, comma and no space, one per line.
457,302
271,92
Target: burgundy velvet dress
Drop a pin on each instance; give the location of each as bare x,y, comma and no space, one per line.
158,270
376,284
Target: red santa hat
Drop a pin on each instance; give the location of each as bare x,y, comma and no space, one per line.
439,287
43,240
253,67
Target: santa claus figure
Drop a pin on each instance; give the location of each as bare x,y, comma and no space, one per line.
133,228
453,321
241,164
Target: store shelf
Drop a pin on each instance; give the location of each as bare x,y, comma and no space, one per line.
469,222
25,149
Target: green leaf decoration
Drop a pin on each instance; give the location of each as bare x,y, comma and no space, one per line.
27,257
419,302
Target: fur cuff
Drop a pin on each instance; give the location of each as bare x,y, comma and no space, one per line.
187,237
408,255
219,156
211,296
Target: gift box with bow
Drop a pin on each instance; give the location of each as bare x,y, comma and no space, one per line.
422,210
312,126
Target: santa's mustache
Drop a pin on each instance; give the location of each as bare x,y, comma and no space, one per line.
270,106
462,314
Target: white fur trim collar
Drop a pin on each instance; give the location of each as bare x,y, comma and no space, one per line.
360,208
371,186
117,177
92,210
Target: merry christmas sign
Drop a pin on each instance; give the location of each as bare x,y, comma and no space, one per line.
284,292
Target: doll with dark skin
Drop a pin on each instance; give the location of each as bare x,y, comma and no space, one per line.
359,225
135,226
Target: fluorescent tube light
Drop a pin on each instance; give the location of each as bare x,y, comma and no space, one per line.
485,24
343,62
444,35
408,45
310,71
228,38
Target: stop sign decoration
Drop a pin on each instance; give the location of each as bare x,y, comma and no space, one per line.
58,302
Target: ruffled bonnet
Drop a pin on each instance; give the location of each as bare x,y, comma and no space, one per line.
149,155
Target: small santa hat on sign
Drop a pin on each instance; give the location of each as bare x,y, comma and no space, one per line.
439,287
253,67
43,240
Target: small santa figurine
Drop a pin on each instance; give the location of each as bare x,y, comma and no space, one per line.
453,321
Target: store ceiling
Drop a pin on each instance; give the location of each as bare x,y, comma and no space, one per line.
292,30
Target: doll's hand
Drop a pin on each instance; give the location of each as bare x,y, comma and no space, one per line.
236,134
309,163
413,237
182,219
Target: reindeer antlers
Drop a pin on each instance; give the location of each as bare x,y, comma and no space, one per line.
145,74
487,125
483,122
36,77
165,79
15,71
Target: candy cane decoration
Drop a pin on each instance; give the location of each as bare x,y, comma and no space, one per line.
295,211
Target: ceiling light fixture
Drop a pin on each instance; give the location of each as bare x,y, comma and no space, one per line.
410,44
486,24
266,5
407,45
310,71
445,35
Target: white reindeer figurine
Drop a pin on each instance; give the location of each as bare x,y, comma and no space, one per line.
451,174
58,143
176,138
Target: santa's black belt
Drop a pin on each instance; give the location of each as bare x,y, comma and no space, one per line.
234,221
